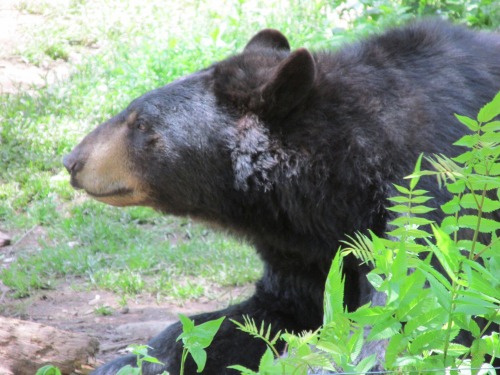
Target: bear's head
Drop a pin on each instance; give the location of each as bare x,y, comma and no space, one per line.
196,144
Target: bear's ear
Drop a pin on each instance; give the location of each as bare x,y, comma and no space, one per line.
290,83
268,38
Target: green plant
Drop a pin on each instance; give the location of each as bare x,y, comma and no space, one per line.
421,323
141,352
103,310
249,326
424,309
48,370
196,339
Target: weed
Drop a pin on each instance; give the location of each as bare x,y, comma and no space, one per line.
196,339
48,370
103,310
141,352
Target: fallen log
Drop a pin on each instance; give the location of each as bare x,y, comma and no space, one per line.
26,346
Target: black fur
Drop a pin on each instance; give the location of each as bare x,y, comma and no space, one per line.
293,150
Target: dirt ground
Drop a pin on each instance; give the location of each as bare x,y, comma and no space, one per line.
15,73
70,306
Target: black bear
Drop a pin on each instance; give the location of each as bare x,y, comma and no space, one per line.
291,150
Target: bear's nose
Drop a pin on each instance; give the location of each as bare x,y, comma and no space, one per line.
72,164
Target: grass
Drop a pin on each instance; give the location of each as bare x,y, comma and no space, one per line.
125,48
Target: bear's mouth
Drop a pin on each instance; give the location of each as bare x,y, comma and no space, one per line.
120,192
114,193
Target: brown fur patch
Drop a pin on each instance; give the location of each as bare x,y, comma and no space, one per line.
107,174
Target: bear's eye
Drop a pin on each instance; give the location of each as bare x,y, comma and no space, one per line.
141,126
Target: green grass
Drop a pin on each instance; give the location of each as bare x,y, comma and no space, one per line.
128,47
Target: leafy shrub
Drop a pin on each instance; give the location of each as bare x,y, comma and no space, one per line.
424,310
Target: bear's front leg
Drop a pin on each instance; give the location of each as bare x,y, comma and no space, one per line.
229,347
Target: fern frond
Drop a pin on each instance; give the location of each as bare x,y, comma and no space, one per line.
446,168
249,326
361,247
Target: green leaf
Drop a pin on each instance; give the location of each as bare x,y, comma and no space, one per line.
488,169
187,324
205,332
375,279
334,291
433,318
438,284
407,361
414,180
450,224
492,344
401,199
421,209
469,140
366,314
330,347
403,220
480,279
471,222
466,158
446,251
478,182
452,206
419,192
360,246
414,233
429,340
492,126
397,344
474,305
467,323
467,121
490,110
129,370
196,338
384,329
457,187
366,364
489,205
48,370
151,359
478,351
399,209
490,139
402,189
267,360
199,356
355,344
456,350
414,297
243,370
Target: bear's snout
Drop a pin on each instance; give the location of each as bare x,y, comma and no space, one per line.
99,165
72,163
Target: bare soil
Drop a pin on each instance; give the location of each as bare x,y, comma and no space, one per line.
16,73
71,305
